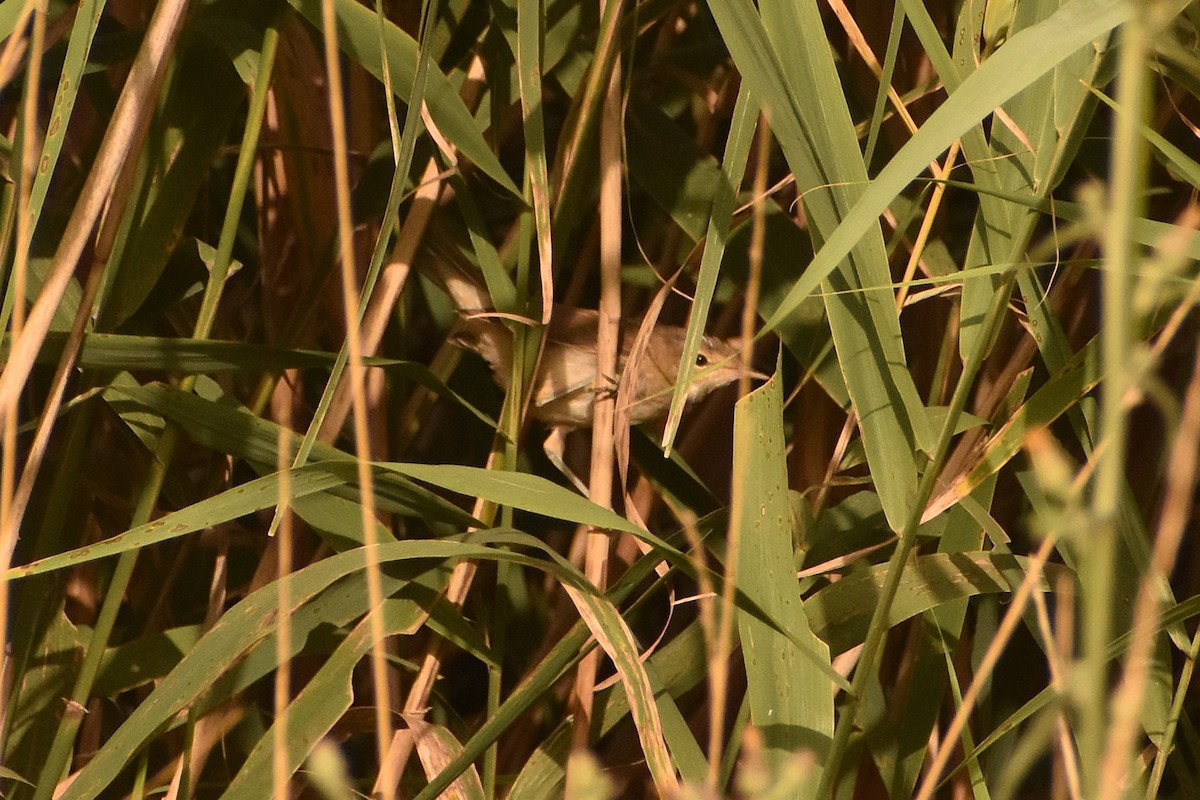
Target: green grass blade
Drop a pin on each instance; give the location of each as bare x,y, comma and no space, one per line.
790,700
1027,55
729,177
840,612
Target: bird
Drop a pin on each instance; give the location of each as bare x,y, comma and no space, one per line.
565,385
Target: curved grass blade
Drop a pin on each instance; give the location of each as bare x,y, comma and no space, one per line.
841,612
234,430
243,627
798,85
728,178
1027,55
114,351
228,505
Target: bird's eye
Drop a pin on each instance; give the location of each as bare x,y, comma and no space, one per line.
701,360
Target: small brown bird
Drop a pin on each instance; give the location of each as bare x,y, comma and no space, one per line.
564,391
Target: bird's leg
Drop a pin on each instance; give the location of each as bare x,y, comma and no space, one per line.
555,447
607,387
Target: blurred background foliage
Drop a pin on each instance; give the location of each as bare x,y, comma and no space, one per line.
965,230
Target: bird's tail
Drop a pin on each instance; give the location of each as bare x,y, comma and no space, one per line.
443,261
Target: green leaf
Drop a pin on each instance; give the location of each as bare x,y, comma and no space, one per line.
358,36
203,92
132,664
724,181
841,612
313,712
1027,55
818,140
112,351
243,627
234,430
528,493
228,505
790,701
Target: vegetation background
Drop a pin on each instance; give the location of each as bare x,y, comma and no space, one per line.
266,534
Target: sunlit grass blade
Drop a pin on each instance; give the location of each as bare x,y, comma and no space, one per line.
790,700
